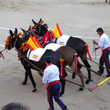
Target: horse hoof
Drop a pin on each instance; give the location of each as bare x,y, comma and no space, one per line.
73,75
81,89
87,81
34,89
23,83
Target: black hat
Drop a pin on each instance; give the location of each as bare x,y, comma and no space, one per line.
99,29
48,59
46,26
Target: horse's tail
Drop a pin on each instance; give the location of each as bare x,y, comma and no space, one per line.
87,48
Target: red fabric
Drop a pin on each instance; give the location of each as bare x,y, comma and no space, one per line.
48,65
108,48
100,36
88,52
29,46
61,66
59,30
75,57
105,51
53,83
33,41
53,34
47,37
38,44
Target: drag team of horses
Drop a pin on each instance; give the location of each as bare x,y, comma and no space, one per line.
74,46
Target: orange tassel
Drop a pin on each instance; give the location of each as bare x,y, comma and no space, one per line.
87,47
42,22
19,34
61,65
7,41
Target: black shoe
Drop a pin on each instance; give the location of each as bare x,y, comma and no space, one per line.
65,108
108,75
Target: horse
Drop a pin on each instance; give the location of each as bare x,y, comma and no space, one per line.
67,53
76,43
107,1
14,41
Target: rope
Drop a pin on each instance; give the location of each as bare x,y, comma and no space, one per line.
89,69
71,82
2,53
69,70
98,64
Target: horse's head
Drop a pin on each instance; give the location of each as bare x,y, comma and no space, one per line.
26,34
12,39
39,29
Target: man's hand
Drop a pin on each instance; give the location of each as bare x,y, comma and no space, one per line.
94,42
96,48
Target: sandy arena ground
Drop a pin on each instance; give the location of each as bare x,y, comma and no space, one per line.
75,17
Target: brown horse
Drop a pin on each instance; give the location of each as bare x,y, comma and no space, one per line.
76,43
66,53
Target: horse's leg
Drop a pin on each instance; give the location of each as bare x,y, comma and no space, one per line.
28,73
32,80
74,74
63,82
79,73
84,60
105,1
25,79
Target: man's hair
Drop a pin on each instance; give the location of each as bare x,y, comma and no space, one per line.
100,30
14,106
48,59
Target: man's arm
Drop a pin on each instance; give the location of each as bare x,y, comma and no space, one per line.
45,77
100,44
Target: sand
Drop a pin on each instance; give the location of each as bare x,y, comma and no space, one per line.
75,17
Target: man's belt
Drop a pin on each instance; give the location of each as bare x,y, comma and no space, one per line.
108,48
53,83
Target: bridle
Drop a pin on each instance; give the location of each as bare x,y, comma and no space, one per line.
15,42
14,45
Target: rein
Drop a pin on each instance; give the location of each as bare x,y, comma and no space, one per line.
15,42
94,50
1,54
